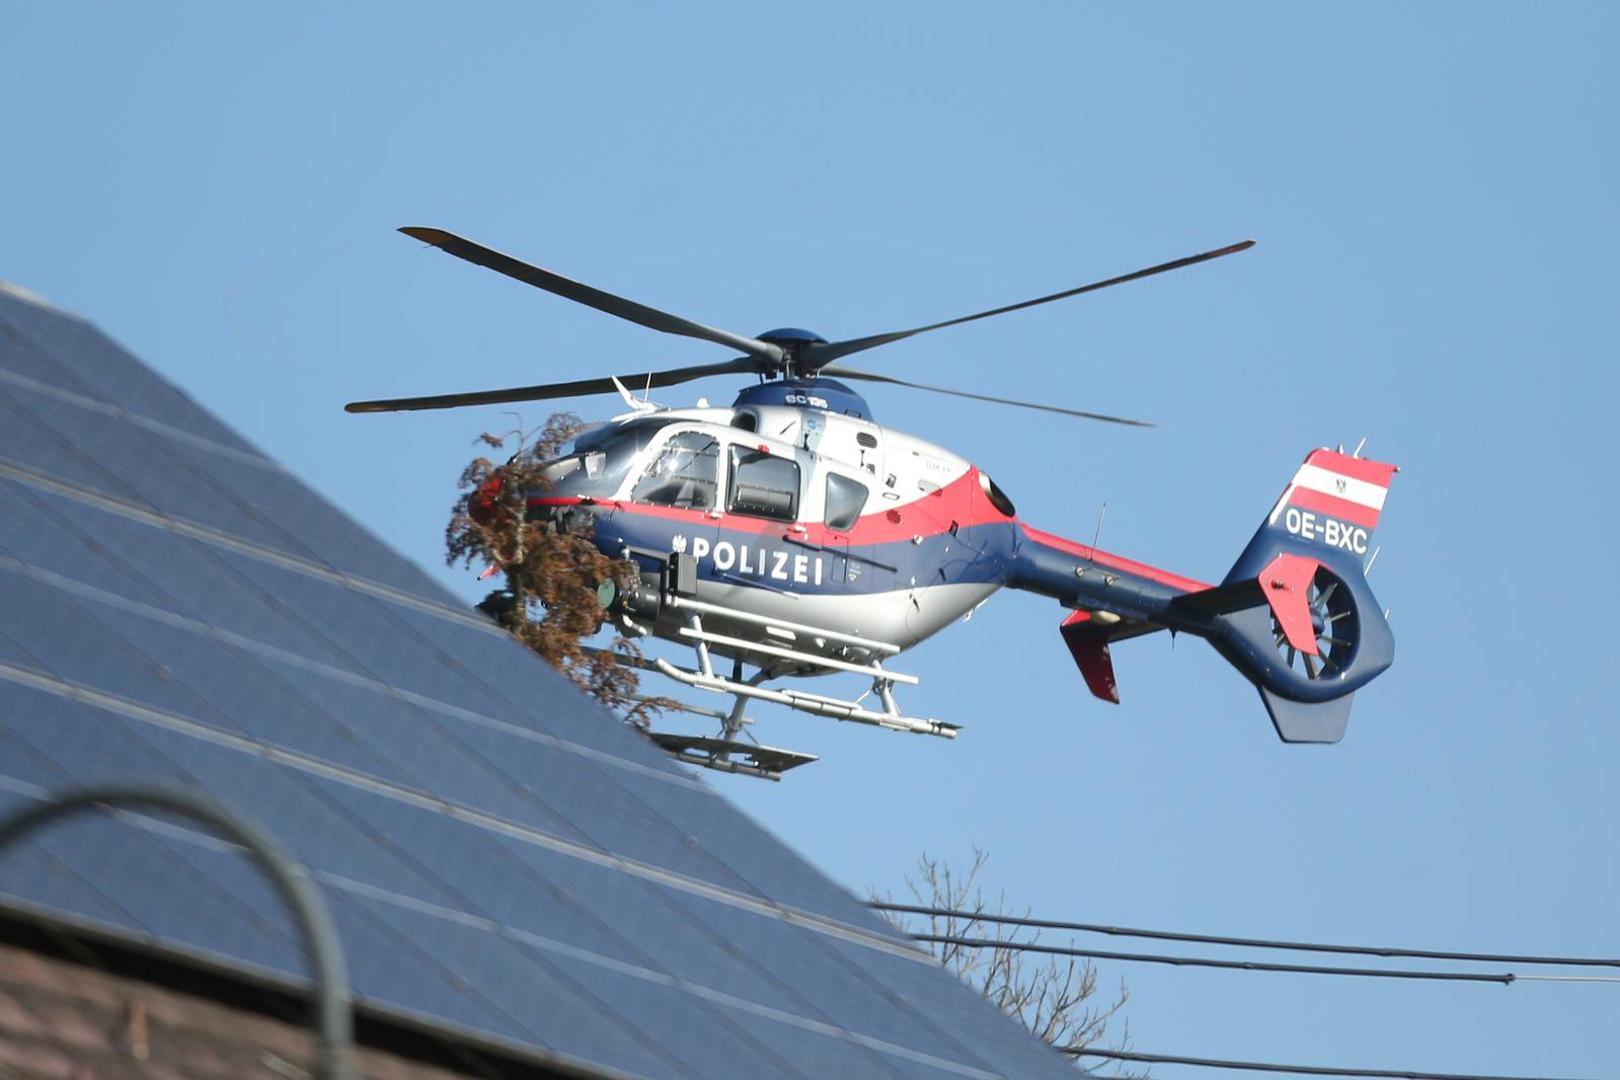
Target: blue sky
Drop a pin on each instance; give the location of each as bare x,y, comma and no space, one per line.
1432,189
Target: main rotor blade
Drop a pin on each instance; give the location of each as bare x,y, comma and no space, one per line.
839,371
769,355
545,391
819,355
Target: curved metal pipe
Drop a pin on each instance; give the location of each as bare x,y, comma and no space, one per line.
334,1020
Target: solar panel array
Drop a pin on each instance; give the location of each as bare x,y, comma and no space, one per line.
504,860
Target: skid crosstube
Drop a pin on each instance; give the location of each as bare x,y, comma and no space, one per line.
774,656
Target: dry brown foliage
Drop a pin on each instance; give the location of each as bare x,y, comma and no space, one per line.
1050,995
550,602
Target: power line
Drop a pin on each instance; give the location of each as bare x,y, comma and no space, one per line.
1307,1070
1505,978
1258,943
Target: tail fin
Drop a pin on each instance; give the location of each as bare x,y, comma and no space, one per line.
1329,510
1295,615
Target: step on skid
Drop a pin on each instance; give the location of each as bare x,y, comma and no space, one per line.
731,755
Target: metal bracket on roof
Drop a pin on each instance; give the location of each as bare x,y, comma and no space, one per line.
334,1018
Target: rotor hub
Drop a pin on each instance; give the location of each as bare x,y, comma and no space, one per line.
793,340
791,337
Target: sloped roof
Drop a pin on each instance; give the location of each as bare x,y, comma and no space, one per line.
505,861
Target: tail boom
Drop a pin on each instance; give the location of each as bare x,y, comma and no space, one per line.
1295,614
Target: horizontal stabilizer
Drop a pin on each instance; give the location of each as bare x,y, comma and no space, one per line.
1088,644
1222,599
1302,722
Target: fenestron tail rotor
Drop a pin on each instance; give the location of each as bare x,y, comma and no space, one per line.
795,353
1333,623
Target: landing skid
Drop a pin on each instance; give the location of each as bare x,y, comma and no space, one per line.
814,704
726,750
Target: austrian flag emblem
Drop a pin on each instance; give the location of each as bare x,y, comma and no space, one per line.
1334,499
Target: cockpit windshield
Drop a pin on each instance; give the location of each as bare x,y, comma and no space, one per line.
598,459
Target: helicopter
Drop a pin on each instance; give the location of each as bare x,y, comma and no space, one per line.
792,534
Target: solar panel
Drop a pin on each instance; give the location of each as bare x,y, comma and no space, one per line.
505,861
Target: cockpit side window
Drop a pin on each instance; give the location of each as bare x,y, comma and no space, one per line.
845,500
685,473
763,485
598,460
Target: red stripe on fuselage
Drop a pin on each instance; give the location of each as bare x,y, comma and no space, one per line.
1116,562
1333,506
1373,472
961,502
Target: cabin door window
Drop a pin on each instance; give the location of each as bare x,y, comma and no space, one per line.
764,484
684,474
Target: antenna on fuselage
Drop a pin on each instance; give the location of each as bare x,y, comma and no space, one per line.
636,405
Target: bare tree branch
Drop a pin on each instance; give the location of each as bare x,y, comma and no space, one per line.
1053,997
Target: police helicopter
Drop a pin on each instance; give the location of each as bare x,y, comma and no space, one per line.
791,535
